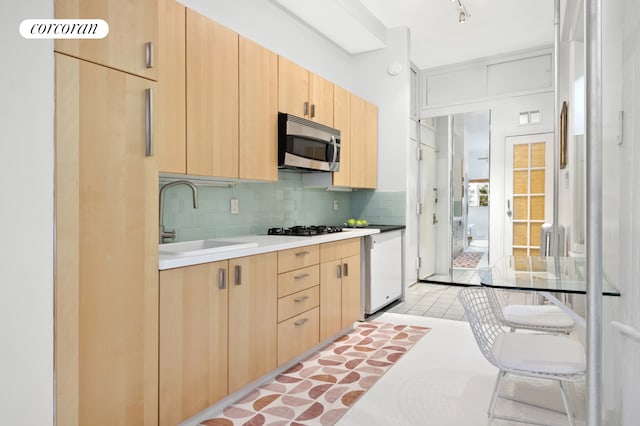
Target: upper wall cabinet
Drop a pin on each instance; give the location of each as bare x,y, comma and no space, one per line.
212,98
342,122
364,143
172,132
258,140
132,39
304,94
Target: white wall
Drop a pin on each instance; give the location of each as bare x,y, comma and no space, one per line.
26,290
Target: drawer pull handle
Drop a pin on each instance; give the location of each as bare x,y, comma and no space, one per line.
148,48
301,299
222,279
345,269
301,321
302,253
339,271
301,276
238,275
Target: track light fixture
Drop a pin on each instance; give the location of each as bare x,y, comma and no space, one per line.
463,13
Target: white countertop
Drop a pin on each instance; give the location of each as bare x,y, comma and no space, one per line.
266,243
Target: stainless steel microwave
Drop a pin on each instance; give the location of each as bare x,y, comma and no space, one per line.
307,145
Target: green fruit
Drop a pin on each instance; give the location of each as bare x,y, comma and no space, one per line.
351,222
361,222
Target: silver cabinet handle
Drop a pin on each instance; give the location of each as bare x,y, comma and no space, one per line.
509,213
345,269
148,50
339,271
222,279
313,110
148,122
302,253
301,321
301,276
238,275
305,108
300,299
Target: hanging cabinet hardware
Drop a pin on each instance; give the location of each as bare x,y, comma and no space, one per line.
238,275
148,122
339,271
313,110
148,48
222,279
305,108
345,269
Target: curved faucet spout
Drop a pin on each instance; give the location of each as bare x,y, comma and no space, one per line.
172,234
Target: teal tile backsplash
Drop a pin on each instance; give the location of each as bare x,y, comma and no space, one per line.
273,204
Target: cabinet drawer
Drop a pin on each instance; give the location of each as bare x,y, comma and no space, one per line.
298,302
298,334
298,280
297,258
339,249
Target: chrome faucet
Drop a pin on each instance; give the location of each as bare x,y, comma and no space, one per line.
172,234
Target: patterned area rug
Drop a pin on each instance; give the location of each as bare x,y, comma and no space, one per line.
321,389
467,260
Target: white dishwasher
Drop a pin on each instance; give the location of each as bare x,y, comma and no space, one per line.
383,269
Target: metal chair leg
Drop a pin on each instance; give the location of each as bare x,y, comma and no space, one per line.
496,391
565,399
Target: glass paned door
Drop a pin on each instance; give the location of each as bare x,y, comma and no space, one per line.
529,186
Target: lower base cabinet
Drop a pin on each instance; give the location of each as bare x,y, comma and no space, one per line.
339,286
218,325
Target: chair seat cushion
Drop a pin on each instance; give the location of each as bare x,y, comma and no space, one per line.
539,353
537,315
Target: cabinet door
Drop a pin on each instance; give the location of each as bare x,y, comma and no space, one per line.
330,298
350,290
293,88
321,100
342,122
172,132
258,145
212,98
364,148
106,282
132,24
193,340
253,318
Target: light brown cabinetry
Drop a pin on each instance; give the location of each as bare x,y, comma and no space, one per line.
106,279
342,122
253,315
303,93
217,331
364,143
207,87
258,143
133,28
193,339
339,286
212,97
299,297
172,115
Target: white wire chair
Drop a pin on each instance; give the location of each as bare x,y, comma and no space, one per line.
543,356
546,318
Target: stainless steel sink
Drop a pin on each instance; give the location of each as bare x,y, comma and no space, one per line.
190,248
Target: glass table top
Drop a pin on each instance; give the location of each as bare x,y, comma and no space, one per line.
553,274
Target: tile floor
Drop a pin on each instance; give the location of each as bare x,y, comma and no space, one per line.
438,301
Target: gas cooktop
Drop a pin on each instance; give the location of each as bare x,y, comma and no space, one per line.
305,231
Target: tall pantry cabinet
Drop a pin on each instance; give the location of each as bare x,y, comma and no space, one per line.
106,204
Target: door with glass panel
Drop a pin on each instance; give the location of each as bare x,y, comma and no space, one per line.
528,191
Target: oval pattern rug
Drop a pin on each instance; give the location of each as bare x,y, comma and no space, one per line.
322,388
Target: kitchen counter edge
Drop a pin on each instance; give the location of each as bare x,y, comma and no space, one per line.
266,244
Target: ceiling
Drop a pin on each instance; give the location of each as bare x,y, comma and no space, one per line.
494,27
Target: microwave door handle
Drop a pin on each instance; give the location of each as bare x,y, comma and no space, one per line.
334,142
